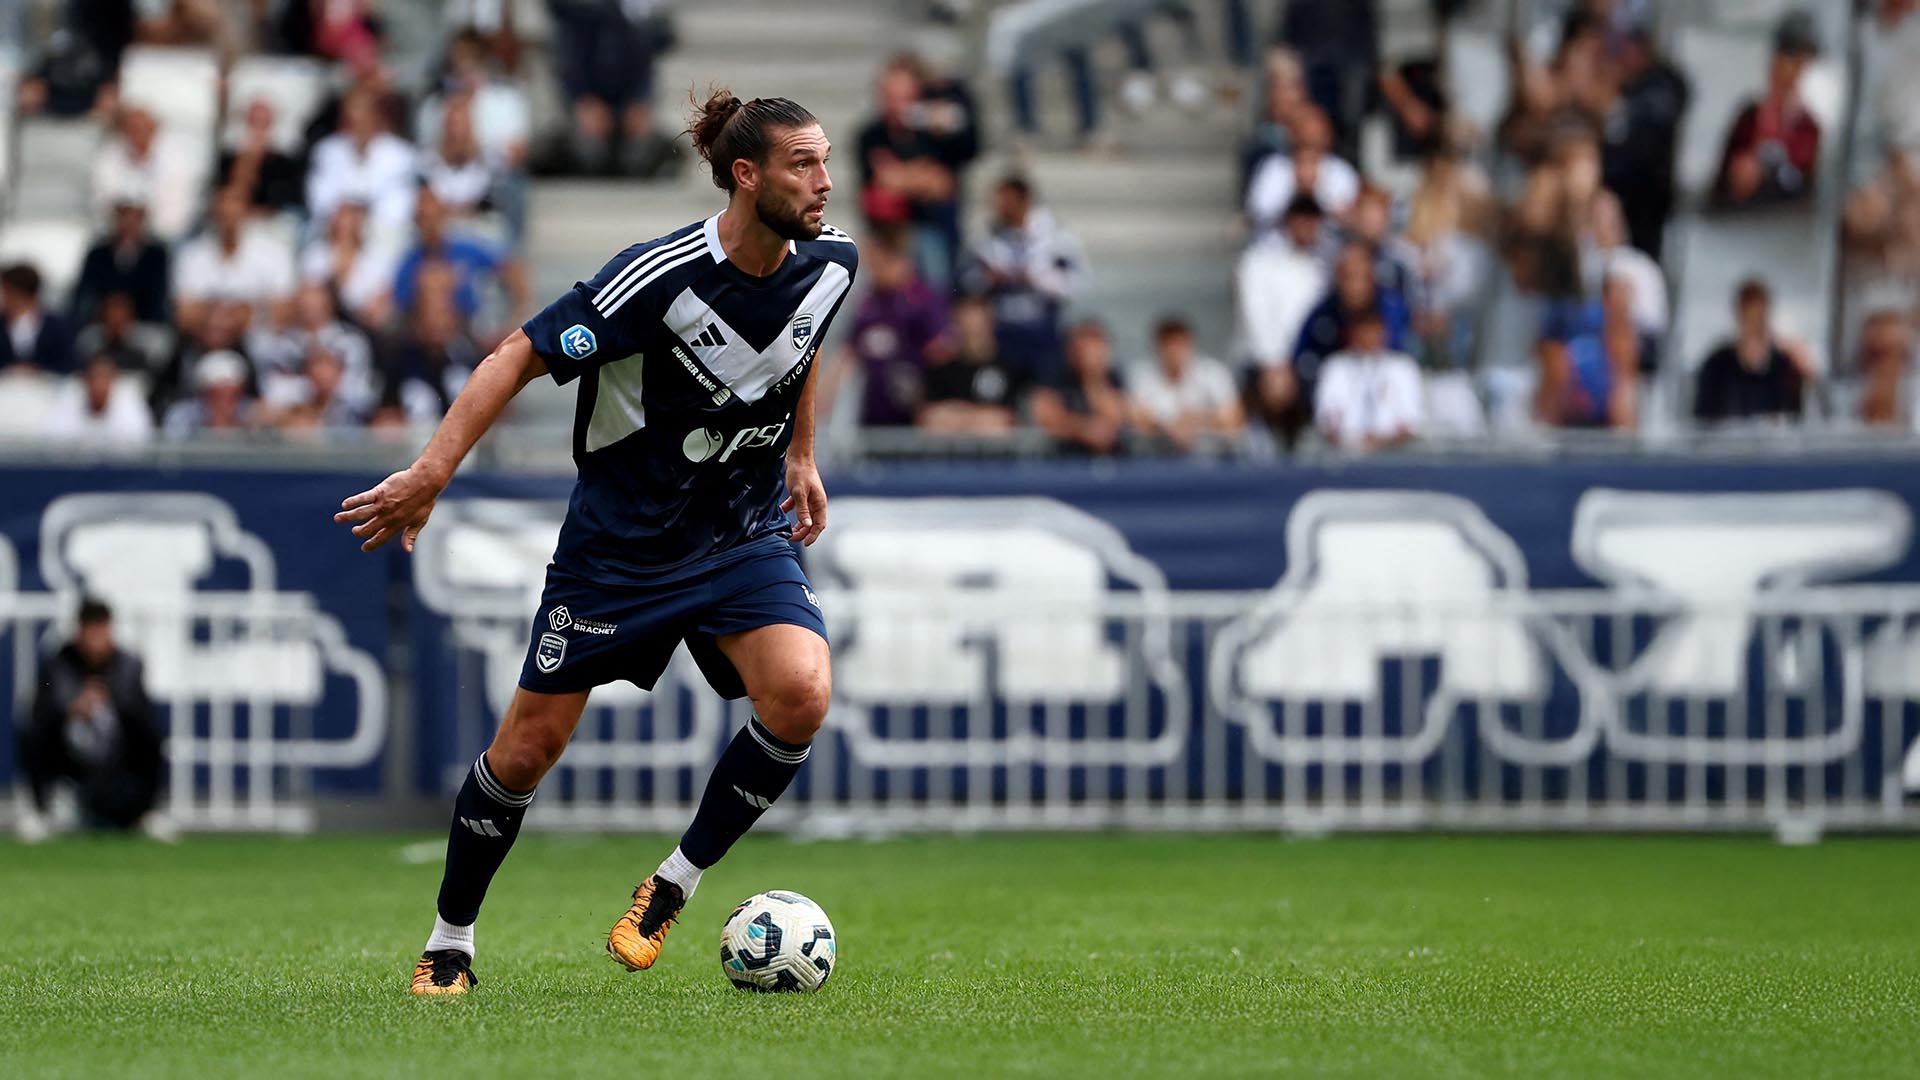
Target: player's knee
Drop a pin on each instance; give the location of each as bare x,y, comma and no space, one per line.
522,753
797,707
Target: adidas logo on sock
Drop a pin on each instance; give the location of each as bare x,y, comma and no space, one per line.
486,827
711,337
752,799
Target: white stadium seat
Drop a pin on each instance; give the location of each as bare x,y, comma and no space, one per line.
294,86
55,247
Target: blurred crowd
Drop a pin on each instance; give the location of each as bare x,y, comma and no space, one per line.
340,269
1364,302
345,267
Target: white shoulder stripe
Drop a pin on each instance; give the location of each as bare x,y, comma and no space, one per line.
640,264
656,271
834,236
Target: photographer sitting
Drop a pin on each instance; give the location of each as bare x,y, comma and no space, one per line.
92,724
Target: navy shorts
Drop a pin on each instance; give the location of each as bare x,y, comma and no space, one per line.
588,634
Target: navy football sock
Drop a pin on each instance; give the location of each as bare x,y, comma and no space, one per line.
486,818
753,771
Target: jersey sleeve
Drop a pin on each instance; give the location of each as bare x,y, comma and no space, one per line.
583,329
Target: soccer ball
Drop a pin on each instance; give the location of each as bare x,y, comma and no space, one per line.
777,941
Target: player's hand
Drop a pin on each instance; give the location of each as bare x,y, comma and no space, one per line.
806,500
399,506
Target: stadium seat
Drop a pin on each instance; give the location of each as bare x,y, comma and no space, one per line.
181,87
56,247
294,86
24,401
55,156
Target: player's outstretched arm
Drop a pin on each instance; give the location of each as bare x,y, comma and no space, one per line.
400,504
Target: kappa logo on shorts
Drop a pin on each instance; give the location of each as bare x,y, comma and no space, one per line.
579,342
551,653
802,329
811,598
560,618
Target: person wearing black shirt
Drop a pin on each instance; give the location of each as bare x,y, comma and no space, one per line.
92,724
1753,376
970,390
128,260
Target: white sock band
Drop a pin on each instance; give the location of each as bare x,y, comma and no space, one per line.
448,936
681,872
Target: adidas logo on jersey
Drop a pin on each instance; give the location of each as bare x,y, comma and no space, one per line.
710,338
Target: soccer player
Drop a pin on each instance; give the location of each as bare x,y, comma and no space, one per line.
694,440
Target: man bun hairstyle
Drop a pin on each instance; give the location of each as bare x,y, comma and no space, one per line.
726,129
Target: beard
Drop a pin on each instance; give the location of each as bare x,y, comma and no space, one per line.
786,223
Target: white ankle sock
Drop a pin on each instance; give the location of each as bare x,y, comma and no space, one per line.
681,872
448,936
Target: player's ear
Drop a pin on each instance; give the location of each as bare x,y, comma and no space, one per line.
746,174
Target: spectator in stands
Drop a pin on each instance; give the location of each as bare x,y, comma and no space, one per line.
497,106
1889,78
1283,98
1029,268
1368,397
359,268
223,329
908,177
1882,222
271,179
1396,263
346,30
1643,138
323,402
1757,375
432,363
1446,223
1309,167
474,265
280,353
500,118
1338,42
73,75
229,261
900,323
968,390
1774,145
1281,278
362,162
134,346
127,260
1590,361
92,725
453,169
1355,290
1609,256
220,405
97,408
1886,371
142,162
36,338
604,53
1086,412
1183,397
1573,90
1544,229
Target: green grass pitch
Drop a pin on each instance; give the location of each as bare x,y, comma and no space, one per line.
1043,956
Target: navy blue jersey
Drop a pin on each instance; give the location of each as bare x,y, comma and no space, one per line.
689,372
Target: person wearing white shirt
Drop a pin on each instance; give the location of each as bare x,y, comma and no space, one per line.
150,166
1369,397
1609,256
1183,396
1280,279
100,409
364,163
1312,168
229,261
